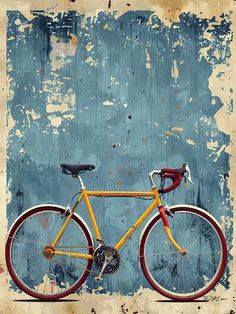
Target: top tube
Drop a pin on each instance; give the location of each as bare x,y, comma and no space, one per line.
119,193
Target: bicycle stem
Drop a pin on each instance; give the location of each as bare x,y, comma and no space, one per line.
165,221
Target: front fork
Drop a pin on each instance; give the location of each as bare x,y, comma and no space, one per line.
165,221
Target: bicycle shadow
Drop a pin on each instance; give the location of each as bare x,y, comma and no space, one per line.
191,301
74,300
48,301
173,301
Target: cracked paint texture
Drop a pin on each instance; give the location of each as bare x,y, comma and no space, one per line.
127,94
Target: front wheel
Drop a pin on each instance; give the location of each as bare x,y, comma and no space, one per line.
184,277
56,276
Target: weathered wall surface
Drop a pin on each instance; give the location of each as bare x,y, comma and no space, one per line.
128,92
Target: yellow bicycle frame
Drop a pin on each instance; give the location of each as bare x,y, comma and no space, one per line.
85,195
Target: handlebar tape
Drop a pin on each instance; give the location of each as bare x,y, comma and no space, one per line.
174,175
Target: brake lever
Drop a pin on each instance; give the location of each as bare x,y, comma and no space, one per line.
188,178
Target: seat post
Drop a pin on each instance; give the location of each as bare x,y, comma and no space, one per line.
81,182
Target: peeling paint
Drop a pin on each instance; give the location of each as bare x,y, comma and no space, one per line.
190,142
91,61
177,129
148,59
175,71
102,104
212,145
89,46
108,103
55,121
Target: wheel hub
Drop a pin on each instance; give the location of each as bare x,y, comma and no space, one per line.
48,252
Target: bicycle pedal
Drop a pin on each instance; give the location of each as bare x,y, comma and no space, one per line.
98,279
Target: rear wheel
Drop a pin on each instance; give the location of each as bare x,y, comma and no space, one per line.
41,275
190,276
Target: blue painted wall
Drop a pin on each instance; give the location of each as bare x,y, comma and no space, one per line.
141,102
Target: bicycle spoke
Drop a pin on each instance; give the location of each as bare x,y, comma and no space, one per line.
36,263
73,246
163,275
160,238
207,253
187,232
190,286
33,255
203,268
157,254
196,270
63,264
200,236
71,238
55,223
174,280
204,260
25,239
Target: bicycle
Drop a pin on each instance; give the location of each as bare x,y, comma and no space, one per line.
182,261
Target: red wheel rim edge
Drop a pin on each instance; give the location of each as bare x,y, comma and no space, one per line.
11,270
151,281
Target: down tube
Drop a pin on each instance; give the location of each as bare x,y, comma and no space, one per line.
135,226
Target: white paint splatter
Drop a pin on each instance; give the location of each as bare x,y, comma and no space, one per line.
10,121
91,61
114,81
190,142
19,133
108,103
106,27
175,71
213,102
148,60
89,46
212,145
34,115
11,38
177,129
69,116
55,121
22,26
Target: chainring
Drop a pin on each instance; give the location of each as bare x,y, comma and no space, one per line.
100,258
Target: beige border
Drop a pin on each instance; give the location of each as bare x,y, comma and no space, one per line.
167,10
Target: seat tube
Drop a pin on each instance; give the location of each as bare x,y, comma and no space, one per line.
91,215
165,221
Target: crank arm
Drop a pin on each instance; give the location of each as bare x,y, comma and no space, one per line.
106,262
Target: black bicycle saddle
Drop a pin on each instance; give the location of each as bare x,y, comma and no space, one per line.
76,169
